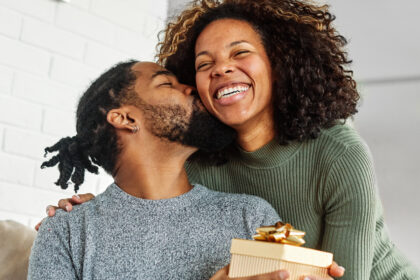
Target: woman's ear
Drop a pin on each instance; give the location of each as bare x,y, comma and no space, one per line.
120,119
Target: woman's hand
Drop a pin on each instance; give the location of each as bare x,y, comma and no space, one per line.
66,204
334,271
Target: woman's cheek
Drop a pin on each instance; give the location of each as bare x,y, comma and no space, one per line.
203,89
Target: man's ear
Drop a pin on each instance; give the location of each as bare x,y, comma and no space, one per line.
120,119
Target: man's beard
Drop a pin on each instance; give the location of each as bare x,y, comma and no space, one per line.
201,130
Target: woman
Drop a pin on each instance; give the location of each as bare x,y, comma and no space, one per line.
275,72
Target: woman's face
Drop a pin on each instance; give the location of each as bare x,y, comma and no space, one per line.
233,74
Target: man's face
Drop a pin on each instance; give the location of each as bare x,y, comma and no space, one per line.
172,113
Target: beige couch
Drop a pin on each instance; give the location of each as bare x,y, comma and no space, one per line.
15,247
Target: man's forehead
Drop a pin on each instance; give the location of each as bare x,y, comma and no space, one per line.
149,69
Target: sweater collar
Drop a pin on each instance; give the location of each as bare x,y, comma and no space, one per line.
270,155
184,200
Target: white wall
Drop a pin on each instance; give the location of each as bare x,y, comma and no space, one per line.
384,43
49,52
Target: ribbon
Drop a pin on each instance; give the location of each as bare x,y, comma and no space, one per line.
280,233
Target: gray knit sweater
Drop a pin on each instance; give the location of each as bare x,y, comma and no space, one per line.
118,236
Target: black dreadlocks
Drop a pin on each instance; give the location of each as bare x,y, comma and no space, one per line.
96,142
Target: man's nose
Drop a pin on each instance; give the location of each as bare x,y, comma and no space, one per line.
188,90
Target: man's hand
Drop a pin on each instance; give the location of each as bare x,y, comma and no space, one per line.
222,274
66,204
334,271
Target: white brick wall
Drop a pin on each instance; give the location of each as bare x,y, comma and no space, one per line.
6,80
10,23
52,38
24,57
45,91
42,9
29,115
50,52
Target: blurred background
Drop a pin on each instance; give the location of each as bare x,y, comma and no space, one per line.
51,50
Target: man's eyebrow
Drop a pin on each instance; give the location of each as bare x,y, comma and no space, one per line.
163,72
228,46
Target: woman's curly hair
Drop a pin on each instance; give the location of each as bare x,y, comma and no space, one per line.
312,89
96,142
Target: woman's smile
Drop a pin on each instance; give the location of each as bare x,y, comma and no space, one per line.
231,93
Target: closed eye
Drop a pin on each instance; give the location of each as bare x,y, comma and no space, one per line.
202,65
166,84
241,52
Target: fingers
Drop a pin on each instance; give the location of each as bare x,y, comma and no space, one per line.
314,278
221,274
276,275
81,198
65,204
50,210
39,224
335,270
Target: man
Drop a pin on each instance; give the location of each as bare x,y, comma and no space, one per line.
139,124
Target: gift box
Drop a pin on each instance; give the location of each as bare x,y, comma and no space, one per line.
277,247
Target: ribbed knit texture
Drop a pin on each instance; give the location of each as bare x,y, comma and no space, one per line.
118,236
325,187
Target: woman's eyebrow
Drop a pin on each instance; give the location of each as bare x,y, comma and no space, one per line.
237,43
201,53
228,46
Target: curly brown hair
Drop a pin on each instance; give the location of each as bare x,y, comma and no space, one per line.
312,89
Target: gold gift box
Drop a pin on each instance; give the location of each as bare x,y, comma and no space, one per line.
258,257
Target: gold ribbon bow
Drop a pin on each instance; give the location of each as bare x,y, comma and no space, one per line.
280,233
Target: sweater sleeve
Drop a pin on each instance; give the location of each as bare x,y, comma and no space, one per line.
350,200
260,213
50,257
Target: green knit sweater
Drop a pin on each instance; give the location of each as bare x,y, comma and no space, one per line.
325,187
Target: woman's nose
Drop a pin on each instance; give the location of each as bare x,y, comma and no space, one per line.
221,69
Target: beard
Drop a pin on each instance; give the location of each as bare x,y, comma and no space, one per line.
200,130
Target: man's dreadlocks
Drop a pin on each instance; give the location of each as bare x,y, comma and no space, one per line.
96,141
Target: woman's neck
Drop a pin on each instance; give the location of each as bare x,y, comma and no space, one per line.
255,134
253,140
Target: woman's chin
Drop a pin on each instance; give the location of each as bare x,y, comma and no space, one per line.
236,123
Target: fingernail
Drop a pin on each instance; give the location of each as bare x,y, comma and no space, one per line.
307,278
47,210
342,268
76,196
283,275
68,208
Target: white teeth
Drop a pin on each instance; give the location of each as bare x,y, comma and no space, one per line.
226,92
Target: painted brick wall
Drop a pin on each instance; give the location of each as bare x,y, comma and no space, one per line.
50,51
